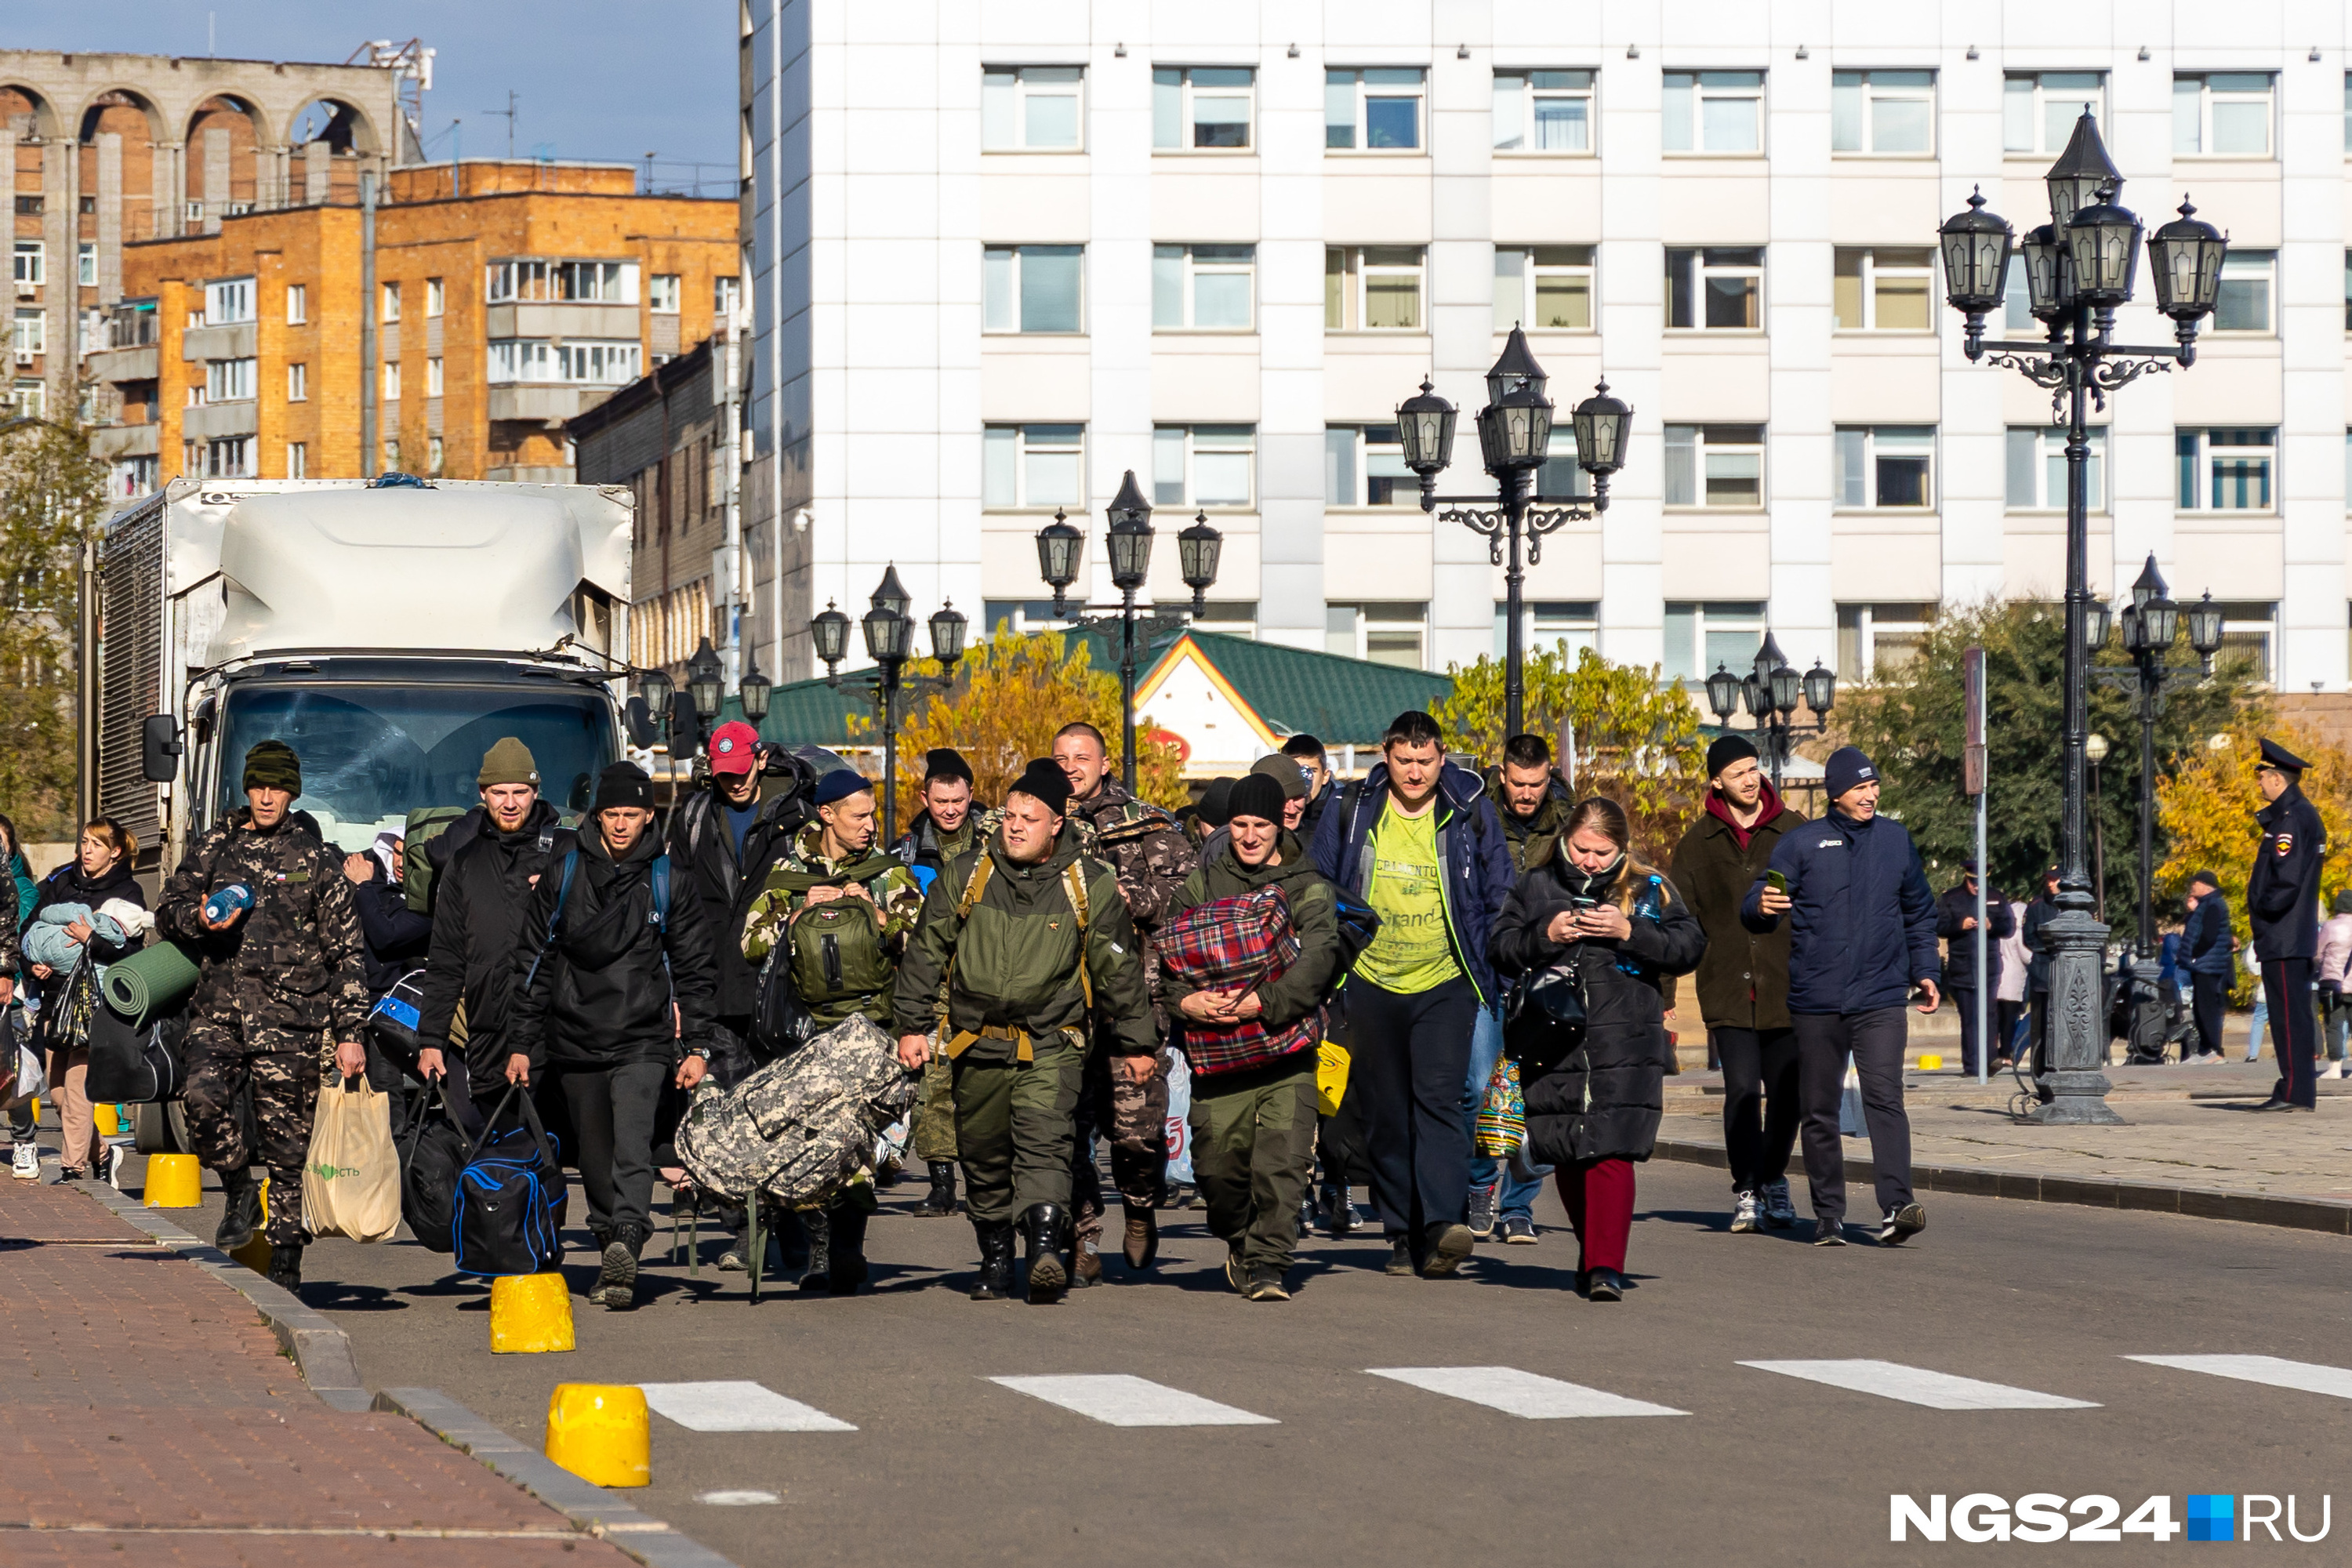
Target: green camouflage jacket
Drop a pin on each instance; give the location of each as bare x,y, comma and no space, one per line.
294,961
894,890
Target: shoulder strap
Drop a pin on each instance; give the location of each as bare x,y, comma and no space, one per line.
1074,883
554,920
698,812
973,886
661,893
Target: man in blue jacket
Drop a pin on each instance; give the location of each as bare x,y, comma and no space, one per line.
1420,842
1863,932
2207,950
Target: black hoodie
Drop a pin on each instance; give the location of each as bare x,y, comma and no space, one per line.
477,922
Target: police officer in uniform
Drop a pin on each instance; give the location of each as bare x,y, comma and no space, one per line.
2283,902
283,994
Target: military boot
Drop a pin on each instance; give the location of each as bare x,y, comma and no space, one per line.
819,1227
942,1200
242,1215
995,1281
616,1286
286,1266
1142,1239
846,1251
1048,1276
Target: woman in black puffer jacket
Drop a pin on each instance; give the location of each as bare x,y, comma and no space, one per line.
1619,927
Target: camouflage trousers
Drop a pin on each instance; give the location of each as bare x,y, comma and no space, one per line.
1014,1124
249,1098
933,1125
1135,1117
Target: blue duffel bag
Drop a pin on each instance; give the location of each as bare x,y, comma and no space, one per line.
510,1197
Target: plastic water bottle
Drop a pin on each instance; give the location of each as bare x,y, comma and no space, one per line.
232,899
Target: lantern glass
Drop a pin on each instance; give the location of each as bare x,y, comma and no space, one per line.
2049,285
948,627
1601,424
2103,248
2185,265
706,681
2159,621
1976,245
1755,695
2097,618
1514,432
1197,550
1515,367
1769,657
1425,426
656,687
2205,627
1786,685
830,632
1723,691
1129,538
756,691
887,632
1820,689
1058,545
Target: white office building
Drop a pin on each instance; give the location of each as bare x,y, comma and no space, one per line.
1005,251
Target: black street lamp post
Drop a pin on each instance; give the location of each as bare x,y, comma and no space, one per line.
1514,441
889,635
2078,267
1770,693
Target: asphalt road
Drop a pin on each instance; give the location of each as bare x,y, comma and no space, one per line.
947,1467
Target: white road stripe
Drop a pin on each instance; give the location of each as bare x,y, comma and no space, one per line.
1117,1399
736,1500
1516,1392
736,1407
2308,1376
1918,1385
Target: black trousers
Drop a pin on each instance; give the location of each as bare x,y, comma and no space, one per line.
1411,1055
1876,1039
2037,1035
1965,1001
2287,987
2208,994
1761,1107
2008,1017
613,1113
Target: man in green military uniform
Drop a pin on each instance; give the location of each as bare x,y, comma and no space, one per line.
840,912
283,994
945,829
1034,945
1529,799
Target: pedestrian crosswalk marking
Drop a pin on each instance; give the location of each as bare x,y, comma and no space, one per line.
1522,1393
1918,1385
736,1407
2308,1376
1117,1399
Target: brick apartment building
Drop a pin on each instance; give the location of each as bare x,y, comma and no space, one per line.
510,297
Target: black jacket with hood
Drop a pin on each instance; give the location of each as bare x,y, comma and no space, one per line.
479,898
724,883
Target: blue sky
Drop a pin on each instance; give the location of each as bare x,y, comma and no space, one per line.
597,78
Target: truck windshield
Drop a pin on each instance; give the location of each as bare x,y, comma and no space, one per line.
371,755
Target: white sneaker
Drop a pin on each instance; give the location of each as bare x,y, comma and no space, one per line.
25,1163
1748,1215
109,1166
2335,1070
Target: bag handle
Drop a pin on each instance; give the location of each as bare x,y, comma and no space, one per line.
529,1119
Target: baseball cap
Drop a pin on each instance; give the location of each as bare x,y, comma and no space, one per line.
733,747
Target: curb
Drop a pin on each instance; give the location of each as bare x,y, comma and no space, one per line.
2328,1216
597,1512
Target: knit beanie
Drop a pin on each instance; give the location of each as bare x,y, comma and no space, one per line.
1285,771
272,764
1847,767
1255,795
1043,781
1216,806
509,761
1728,750
624,783
839,786
945,763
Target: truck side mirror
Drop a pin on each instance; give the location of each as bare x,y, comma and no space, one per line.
639,721
160,748
685,726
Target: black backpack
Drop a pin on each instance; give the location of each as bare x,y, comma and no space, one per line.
510,1198
432,1156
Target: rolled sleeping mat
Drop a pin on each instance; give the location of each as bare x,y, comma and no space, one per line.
153,979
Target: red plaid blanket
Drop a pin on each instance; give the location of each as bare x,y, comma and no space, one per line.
1244,942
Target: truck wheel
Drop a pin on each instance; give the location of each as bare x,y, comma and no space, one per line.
160,1129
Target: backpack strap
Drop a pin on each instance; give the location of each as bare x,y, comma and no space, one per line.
563,891
661,893
974,885
1074,883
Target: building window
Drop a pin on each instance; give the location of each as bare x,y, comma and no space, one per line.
435,380
392,457
1714,112
1543,288
1702,635
1560,476
662,293
2037,469
1887,467
26,264
1021,615
86,265
1882,112
1716,289
1032,466
2038,110
1371,288
1034,287
1201,109
433,453
1384,633
590,362
297,304
1883,288
525,282
26,398
724,292
229,301
1375,110
1715,466
2247,628
1203,465
1574,623
1543,111
229,380
391,303
229,457
132,476
1031,109
2243,303
436,297
1363,465
1202,288
2221,114
297,383
1230,617
30,206
1879,639
2224,470
391,380
297,460
32,333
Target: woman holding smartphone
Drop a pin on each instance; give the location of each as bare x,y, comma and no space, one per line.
1618,928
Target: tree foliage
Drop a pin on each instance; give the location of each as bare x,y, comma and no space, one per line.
52,499
1637,741
1912,724
1010,694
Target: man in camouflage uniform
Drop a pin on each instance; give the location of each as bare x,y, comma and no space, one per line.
945,829
831,861
282,995
1149,852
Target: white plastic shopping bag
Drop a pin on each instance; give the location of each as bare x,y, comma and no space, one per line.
1179,1122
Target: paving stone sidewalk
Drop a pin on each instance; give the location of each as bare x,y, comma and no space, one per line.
151,1419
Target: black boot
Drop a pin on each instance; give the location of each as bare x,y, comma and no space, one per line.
942,1200
1048,1275
286,1266
242,1215
819,1225
846,1251
616,1286
995,1281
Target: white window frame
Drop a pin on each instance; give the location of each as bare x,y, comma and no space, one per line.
2034,468
1004,95
1862,449
1360,264
1177,451
1860,92
2036,102
391,316
435,454
1703,88
297,380
1520,95
1176,88
599,361
435,376
436,297
664,290
1394,83
391,455
297,304
2242,268
1228,617
1023,615
530,279
1717,451
391,380
2194,448
1365,628
2258,631
1702,263
86,264
1575,622
32,335
1738,619
1519,272
231,380
1860,625
297,460
1009,478
2195,97
228,457
28,398
1869,269
1350,453
521,361
229,301
29,262
726,289
1001,292
1184,267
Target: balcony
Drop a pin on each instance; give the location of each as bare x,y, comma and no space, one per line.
561,321
541,404
117,441
122,364
210,420
218,342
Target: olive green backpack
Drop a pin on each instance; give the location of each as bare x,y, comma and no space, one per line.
832,953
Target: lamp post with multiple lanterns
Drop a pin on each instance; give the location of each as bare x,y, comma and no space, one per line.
889,635
1770,693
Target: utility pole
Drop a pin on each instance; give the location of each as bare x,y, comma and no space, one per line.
508,112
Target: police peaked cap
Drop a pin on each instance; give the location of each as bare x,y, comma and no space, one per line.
2277,756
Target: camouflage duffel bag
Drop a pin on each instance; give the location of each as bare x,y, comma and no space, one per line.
798,1129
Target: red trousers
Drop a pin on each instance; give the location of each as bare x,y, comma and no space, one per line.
1599,1196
